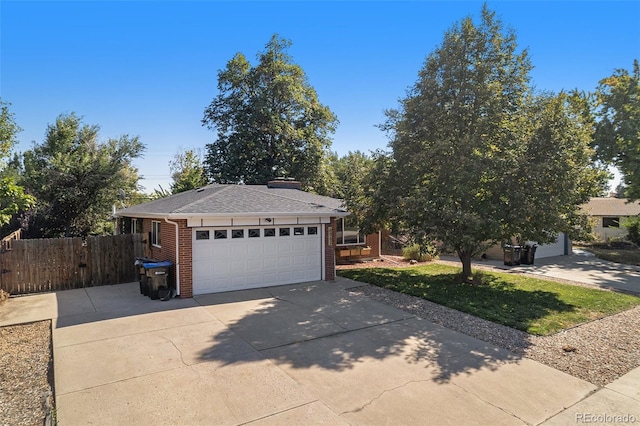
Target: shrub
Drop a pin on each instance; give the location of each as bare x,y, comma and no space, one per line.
633,230
419,253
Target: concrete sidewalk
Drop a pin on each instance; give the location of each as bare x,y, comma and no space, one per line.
300,354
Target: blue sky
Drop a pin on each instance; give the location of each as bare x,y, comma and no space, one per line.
149,68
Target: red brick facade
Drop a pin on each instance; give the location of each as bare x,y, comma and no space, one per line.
373,241
330,250
167,251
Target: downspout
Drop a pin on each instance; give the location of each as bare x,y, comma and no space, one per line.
177,255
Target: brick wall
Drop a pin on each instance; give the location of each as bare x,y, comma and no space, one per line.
373,241
330,250
167,251
186,254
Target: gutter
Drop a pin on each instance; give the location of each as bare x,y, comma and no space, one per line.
177,256
121,213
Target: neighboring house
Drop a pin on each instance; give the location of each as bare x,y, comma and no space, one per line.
562,247
608,214
233,237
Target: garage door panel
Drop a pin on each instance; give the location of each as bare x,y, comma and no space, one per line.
202,269
299,245
270,264
202,252
255,249
238,249
238,263
254,265
270,245
285,262
239,282
285,277
284,247
271,278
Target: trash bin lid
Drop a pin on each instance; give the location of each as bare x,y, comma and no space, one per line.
151,265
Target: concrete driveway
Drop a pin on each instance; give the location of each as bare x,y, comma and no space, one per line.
582,267
301,354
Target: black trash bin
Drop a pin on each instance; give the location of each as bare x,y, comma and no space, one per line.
511,255
157,274
528,254
142,273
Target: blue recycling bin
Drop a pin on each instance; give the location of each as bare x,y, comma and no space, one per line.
142,273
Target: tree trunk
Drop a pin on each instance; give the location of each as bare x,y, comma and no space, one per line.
465,258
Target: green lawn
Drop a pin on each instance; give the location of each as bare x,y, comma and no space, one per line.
536,306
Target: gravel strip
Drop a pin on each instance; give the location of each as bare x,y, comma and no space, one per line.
26,374
598,352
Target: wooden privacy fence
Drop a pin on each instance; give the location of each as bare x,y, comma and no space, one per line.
32,266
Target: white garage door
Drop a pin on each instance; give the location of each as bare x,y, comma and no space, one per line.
236,258
552,249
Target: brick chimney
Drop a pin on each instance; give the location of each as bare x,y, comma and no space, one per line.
282,182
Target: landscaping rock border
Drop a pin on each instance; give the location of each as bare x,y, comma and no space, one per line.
599,351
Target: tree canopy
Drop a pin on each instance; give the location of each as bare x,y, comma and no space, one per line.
76,178
618,128
476,157
13,198
268,120
187,171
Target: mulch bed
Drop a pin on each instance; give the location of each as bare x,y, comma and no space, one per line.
26,374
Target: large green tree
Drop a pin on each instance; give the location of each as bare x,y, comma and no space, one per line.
476,158
268,120
187,171
78,179
353,175
13,198
618,128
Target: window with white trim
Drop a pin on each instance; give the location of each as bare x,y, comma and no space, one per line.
155,233
347,233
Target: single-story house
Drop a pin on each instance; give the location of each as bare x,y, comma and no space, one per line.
607,213
233,237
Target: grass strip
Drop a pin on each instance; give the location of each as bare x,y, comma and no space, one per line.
539,307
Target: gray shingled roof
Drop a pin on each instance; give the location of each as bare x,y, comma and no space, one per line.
611,207
238,200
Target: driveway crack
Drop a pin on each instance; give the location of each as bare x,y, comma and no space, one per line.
357,410
177,349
